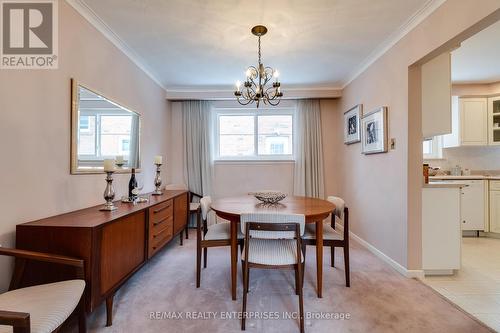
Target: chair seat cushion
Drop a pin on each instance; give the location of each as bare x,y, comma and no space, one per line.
328,232
274,252
194,206
220,231
49,305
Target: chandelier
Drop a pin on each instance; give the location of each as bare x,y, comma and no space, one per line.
257,86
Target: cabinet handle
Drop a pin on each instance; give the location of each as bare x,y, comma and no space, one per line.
160,209
161,221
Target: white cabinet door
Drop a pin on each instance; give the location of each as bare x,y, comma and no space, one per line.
473,205
474,121
495,211
494,120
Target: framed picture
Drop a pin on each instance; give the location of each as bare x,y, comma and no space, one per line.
351,124
374,131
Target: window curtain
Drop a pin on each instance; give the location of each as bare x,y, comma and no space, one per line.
308,172
196,122
133,160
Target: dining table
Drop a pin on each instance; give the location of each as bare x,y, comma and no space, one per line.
315,211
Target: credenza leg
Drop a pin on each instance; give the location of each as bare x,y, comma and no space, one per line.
109,310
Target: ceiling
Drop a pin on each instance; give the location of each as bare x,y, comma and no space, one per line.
477,60
198,43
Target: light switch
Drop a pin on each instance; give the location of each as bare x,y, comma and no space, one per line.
393,143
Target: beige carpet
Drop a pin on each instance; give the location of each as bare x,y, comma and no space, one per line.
379,300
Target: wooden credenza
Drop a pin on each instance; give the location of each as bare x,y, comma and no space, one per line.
114,245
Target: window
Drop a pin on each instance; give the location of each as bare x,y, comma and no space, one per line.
255,135
432,148
104,136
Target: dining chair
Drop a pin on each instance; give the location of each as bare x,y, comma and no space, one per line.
273,241
331,237
215,235
194,207
43,308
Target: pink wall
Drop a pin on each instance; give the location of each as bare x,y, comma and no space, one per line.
35,127
383,191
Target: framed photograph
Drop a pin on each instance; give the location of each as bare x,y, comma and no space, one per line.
351,124
374,131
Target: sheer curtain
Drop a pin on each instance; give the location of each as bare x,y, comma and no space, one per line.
198,162
308,172
133,160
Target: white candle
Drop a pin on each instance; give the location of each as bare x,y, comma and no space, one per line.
109,165
119,159
158,159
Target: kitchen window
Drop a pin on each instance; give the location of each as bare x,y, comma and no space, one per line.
432,148
254,135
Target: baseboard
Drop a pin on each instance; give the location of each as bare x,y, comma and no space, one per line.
409,273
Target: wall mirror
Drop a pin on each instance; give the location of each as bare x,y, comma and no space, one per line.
102,129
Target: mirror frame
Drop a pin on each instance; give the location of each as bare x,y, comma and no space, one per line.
74,132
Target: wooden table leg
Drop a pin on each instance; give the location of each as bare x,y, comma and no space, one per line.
109,310
234,258
319,257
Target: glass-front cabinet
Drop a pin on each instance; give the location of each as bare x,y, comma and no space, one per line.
494,121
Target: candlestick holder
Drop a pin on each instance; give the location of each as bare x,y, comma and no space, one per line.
109,193
157,180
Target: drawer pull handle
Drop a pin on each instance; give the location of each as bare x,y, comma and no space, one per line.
156,211
160,222
161,232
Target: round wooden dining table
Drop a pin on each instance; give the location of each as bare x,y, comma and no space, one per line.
315,211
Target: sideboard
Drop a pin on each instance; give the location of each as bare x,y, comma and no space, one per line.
114,245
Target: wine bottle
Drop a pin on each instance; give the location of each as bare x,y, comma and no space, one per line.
132,184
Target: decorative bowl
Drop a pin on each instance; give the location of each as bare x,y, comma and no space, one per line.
270,197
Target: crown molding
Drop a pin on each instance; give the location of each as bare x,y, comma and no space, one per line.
221,94
426,10
91,16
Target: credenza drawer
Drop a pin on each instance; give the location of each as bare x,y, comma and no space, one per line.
161,211
160,232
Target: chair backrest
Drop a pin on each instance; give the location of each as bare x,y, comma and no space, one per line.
206,203
176,187
339,206
272,218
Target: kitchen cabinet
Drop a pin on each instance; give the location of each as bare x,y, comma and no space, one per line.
469,123
495,206
494,120
473,121
441,232
474,205
436,96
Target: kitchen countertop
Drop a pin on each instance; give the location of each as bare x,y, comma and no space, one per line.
471,177
443,185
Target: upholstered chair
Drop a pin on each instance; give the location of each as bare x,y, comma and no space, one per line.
215,235
331,236
273,241
194,207
42,308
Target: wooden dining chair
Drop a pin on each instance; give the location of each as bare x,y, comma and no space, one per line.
194,207
215,235
332,237
43,308
273,241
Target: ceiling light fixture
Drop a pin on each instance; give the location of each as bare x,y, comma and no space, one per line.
257,87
